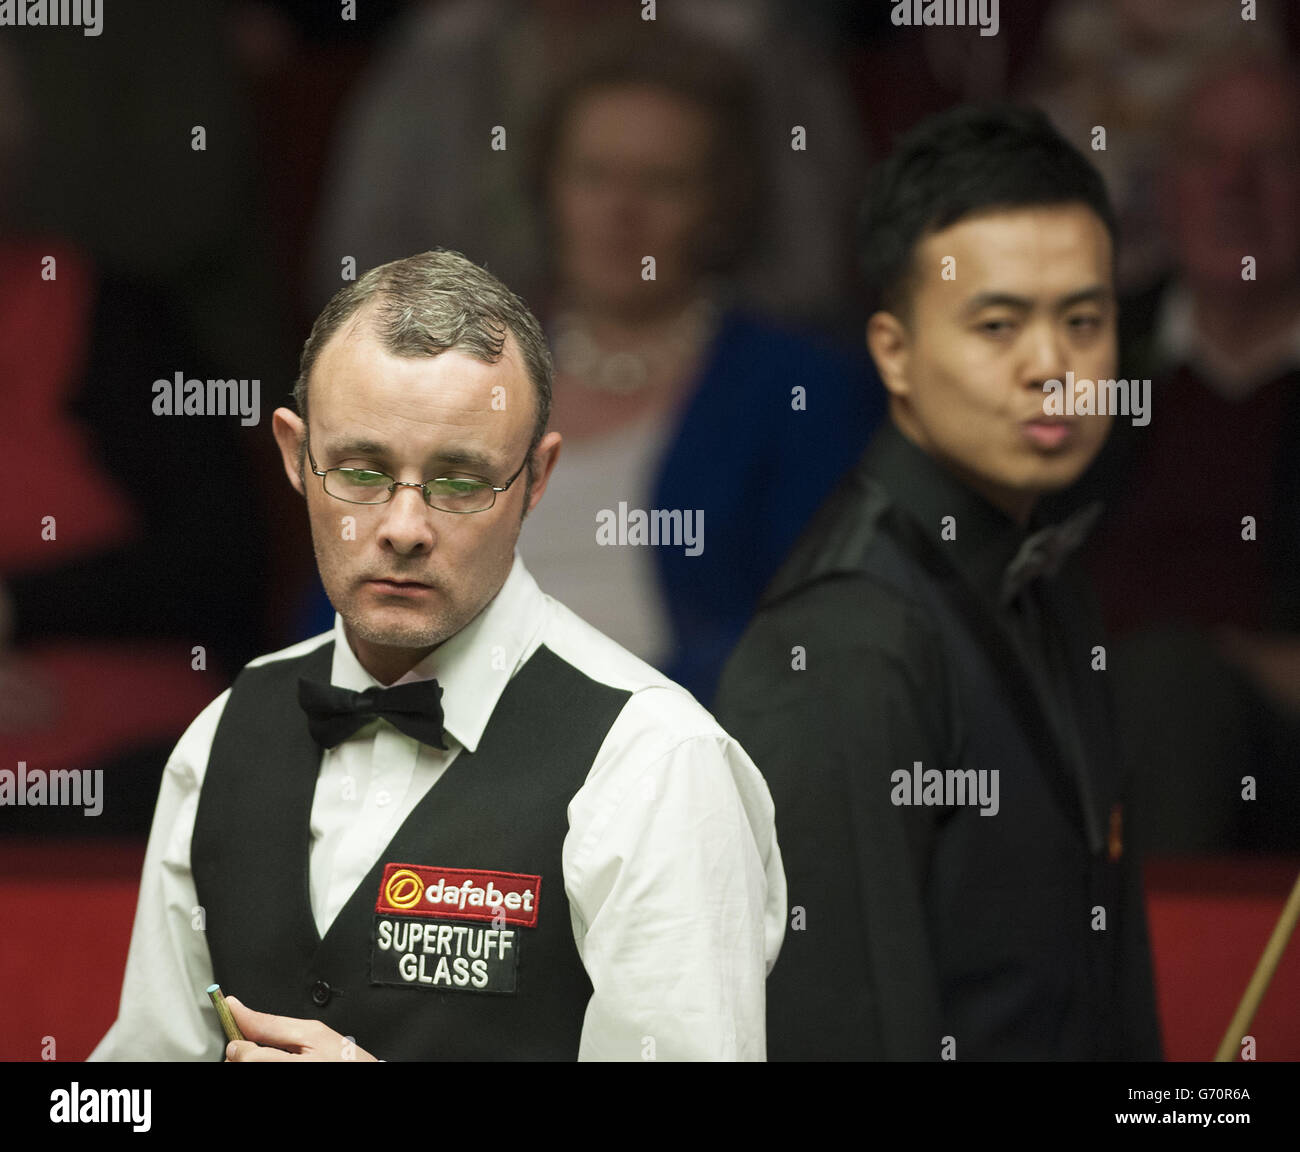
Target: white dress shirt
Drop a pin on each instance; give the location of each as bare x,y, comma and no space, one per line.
671,865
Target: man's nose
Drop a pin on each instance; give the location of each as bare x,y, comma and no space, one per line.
407,523
1045,357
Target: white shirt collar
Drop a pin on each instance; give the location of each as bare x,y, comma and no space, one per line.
472,666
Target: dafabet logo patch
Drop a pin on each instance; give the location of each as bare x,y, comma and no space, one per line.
451,929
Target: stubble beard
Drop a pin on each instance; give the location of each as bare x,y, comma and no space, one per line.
409,627
417,630
418,633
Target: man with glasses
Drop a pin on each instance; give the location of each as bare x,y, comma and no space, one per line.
463,824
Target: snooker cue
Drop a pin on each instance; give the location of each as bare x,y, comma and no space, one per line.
1264,970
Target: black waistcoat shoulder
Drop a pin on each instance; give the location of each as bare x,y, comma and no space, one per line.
491,986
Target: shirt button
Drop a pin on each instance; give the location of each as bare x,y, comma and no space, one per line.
382,797
321,993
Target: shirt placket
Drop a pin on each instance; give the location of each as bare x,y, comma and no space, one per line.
392,760
386,776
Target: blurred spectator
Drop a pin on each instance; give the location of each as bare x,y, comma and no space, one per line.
669,396
115,169
127,538
416,167
1209,620
1122,65
903,74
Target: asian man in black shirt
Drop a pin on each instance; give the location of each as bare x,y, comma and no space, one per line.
924,684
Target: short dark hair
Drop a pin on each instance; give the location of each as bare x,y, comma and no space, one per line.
968,159
435,302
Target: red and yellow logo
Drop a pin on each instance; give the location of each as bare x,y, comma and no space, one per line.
404,889
460,894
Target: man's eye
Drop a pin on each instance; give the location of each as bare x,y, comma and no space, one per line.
363,476
457,487
996,327
1085,322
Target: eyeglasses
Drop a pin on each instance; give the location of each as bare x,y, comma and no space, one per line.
459,494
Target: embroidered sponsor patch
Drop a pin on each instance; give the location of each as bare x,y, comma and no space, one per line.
416,952
451,928
459,894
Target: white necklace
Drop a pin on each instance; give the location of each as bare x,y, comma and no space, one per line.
578,353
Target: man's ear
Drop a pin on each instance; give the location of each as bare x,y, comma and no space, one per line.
290,432
545,455
888,344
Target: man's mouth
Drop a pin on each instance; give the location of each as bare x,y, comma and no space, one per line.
396,587
1048,431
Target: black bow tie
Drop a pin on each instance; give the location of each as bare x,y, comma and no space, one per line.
1043,553
334,714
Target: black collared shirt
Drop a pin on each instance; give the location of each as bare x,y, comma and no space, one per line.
883,645
1051,621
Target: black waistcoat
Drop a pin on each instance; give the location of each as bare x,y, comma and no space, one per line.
500,809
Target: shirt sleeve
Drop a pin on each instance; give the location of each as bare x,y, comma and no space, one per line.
831,692
677,897
164,1012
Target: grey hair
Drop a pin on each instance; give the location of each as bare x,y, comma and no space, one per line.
432,303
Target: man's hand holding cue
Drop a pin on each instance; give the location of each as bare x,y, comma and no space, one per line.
287,1038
